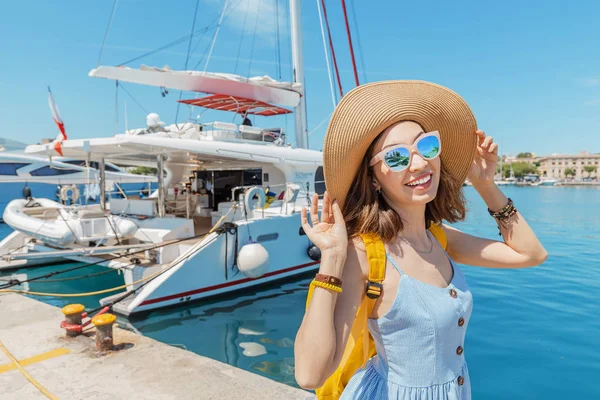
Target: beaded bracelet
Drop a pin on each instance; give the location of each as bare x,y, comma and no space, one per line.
505,211
326,286
504,214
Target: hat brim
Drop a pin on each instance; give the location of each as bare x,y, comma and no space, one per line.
368,110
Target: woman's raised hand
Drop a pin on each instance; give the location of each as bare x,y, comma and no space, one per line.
329,234
484,164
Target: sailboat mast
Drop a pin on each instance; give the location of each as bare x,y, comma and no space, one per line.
298,68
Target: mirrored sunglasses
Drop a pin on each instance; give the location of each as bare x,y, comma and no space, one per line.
398,157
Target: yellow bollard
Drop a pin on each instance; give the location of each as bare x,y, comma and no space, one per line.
72,319
104,332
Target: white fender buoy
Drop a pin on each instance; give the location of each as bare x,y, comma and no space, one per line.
253,260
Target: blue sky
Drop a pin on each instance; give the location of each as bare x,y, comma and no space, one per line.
529,70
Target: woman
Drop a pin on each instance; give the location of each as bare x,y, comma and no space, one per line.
396,154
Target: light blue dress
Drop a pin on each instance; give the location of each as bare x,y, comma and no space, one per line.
420,340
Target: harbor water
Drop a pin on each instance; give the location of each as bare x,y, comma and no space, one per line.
533,333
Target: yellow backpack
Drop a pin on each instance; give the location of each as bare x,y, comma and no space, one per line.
361,347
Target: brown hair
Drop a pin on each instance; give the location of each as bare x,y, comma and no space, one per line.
366,211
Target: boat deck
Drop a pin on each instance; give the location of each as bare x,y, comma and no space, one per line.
137,368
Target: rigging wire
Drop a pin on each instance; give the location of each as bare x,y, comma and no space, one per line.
232,9
112,14
319,125
329,76
133,98
337,72
237,59
350,43
116,106
187,57
15,282
358,41
212,46
254,37
166,46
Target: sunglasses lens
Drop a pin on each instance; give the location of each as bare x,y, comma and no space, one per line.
397,159
429,147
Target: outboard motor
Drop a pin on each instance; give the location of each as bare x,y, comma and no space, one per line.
27,192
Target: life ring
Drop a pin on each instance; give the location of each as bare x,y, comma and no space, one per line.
74,195
249,196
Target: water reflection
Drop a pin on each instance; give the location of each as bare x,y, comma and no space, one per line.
254,331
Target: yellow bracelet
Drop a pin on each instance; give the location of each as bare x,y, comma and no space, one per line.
326,286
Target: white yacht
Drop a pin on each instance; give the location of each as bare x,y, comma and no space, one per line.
65,180
226,215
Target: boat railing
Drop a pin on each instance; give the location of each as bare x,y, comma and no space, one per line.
216,130
228,130
291,192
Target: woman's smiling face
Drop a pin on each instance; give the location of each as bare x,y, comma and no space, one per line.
416,184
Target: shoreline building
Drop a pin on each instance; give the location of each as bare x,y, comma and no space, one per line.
554,166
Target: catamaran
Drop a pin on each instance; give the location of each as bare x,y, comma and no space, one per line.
226,214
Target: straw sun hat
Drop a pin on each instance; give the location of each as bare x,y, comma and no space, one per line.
367,110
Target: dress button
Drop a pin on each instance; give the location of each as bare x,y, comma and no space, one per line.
461,321
461,380
453,293
459,350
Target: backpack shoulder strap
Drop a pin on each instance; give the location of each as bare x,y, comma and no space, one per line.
376,256
377,261
438,232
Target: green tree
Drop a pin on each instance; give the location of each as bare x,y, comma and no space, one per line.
570,172
520,169
524,155
143,171
589,169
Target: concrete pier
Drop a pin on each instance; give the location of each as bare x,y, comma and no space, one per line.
141,368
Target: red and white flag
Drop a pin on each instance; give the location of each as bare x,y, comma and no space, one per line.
59,122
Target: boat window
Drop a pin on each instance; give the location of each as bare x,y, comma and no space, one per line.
107,167
110,168
10,168
267,238
320,181
93,164
79,163
252,177
50,171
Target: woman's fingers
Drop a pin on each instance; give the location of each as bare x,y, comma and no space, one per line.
337,213
314,209
304,220
480,136
326,209
487,142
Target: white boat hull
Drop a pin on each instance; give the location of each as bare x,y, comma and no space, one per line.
208,269
15,253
